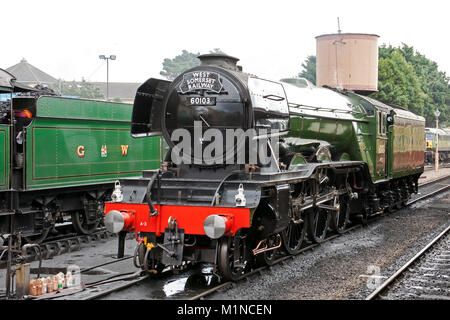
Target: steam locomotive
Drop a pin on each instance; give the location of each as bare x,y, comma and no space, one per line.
255,166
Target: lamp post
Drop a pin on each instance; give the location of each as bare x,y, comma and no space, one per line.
437,113
111,57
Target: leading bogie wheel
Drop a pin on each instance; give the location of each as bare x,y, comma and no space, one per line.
233,257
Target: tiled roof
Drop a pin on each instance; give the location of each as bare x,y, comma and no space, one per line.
122,90
27,73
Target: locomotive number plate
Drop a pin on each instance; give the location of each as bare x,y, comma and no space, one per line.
200,101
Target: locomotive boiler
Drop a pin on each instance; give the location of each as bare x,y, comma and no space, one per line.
256,165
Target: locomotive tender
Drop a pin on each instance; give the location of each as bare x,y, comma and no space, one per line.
60,159
335,156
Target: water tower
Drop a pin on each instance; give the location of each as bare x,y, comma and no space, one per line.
347,61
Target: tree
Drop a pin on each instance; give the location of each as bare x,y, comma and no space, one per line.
216,51
426,88
398,83
434,83
81,89
186,60
309,69
405,78
173,67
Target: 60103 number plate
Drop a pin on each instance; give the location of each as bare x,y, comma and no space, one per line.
200,101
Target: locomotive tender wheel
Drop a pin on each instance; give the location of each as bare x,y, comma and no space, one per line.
81,225
293,236
38,238
317,225
339,219
230,268
363,217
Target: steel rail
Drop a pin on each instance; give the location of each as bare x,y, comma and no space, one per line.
222,285
429,195
125,277
400,271
434,180
50,249
279,260
118,288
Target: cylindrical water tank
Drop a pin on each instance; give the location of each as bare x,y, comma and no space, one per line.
347,61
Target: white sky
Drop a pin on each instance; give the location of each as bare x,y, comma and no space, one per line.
271,38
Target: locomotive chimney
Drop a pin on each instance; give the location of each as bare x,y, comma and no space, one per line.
219,60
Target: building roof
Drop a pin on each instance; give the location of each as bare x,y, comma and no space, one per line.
6,81
27,73
122,90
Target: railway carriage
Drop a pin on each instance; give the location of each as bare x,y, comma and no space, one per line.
444,145
60,159
324,157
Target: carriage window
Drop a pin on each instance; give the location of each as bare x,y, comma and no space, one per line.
379,122
382,118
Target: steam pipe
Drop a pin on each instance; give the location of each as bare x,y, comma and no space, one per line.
153,211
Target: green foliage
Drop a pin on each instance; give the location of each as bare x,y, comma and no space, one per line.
216,51
398,83
407,79
410,80
81,89
173,67
186,60
309,69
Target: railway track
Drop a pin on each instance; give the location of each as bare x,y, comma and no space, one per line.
73,242
53,247
425,276
129,280
413,201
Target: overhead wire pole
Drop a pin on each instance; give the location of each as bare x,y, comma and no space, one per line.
437,113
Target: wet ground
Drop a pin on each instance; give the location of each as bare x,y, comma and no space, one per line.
428,278
351,267
348,267
343,268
